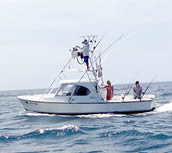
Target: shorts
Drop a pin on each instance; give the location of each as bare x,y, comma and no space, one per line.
86,59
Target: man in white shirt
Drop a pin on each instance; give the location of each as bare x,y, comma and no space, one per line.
137,91
85,50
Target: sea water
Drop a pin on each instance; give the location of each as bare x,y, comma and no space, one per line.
23,131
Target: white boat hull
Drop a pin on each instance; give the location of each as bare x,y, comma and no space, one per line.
66,108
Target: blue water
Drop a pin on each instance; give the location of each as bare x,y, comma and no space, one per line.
22,131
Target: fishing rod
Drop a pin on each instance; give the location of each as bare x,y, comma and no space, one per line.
126,93
148,86
146,89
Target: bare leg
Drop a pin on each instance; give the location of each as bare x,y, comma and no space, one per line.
87,65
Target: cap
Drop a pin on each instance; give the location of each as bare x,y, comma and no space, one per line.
85,41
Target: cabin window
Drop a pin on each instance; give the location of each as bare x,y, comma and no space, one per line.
65,90
81,91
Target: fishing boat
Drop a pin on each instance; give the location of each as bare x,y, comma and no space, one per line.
87,93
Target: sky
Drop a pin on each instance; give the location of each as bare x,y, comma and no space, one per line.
36,35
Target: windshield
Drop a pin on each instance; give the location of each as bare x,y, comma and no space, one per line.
65,90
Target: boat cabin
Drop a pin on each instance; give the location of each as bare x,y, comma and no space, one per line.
79,91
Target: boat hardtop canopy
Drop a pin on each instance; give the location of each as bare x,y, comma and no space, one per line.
76,88
76,82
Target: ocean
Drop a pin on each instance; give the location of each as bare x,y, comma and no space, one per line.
29,132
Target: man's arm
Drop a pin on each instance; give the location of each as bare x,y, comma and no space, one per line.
79,47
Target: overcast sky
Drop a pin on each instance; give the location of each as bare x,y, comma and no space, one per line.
36,35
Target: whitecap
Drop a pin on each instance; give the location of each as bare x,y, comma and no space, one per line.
65,127
70,126
41,131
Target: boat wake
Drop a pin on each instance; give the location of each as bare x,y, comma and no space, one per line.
159,109
39,114
65,131
80,116
164,108
101,115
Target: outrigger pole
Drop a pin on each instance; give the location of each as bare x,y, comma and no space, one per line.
98,43
58,76
116,40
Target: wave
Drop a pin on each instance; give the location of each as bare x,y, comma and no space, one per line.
126,133
67,130
134,134
166,94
